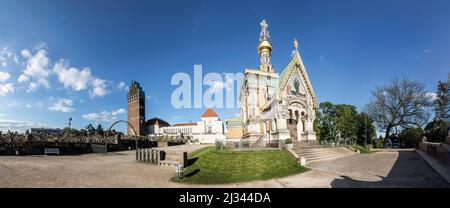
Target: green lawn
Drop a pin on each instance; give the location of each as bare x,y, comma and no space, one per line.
209,166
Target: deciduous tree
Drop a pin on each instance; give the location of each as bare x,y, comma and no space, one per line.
403,104
365,129
442,101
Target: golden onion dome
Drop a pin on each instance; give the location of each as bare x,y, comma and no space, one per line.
264,44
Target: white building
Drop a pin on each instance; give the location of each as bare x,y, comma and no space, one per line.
206,131
46,131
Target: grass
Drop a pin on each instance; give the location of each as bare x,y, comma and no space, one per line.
210,166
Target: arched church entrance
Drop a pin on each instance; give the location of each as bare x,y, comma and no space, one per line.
295,122
292,125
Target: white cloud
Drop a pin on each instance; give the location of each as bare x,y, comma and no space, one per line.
36,69
6,88
98,88
28,106
16,58
122,86
431,95
26,53
32,87
4,76
7,55
104,116
118,111
23,78
16,125
78,80
13,104
63,105
72,77
217,86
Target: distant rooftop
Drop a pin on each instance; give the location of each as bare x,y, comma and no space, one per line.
185,124
157,120
209,113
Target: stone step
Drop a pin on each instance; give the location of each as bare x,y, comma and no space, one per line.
318,154
315,150
322,153
327,158
311,157
322,149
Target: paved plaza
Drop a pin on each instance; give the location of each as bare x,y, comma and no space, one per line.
119,169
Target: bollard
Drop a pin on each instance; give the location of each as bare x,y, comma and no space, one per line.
302,161
179,169
151,155
137,154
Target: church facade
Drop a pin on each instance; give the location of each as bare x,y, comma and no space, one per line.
277,106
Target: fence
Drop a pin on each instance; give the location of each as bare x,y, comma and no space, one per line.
99,148
38,148
31,148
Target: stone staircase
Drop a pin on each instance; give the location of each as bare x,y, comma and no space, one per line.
317,153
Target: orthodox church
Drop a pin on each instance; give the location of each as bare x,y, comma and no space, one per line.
277,106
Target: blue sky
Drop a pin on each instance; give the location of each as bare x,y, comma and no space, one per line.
66,59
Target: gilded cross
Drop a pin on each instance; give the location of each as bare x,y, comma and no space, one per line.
264,34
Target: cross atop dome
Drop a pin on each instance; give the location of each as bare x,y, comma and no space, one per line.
295,44
264,32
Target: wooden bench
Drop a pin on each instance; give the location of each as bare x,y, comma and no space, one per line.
51,151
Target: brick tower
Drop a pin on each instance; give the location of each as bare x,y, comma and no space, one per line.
136,109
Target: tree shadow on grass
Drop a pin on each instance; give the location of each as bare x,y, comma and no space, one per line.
193,173
191,161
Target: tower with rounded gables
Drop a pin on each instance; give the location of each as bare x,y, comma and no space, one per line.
136,109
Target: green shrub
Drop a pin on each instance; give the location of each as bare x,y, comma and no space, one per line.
411,137
436,131
378,143
288,141
361,149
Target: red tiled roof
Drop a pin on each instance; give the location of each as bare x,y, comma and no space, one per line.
185,124
209,113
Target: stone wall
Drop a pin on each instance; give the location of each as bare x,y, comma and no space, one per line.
435,150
